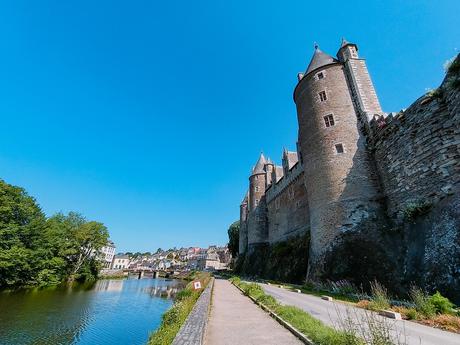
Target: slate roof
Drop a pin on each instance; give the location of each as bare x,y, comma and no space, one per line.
291,157
259,167
319,59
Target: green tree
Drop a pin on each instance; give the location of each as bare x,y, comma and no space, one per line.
234,238
21,224
39,251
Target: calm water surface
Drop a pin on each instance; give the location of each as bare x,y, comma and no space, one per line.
108,312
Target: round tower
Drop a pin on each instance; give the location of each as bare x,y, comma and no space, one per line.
257,183
338,175
257,231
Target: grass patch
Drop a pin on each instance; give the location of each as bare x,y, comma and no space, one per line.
175,317
314,329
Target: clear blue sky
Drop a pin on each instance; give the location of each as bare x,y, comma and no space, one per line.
148,115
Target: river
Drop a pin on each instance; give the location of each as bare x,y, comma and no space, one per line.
107,312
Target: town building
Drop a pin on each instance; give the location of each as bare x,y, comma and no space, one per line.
120,262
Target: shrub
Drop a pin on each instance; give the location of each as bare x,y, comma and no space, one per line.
343,287
380,299
416,209
441,304
422,302
412,314
183,294
268,301
254,290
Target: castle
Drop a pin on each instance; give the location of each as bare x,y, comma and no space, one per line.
356,169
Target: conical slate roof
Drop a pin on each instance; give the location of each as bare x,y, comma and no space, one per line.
319,59
259,167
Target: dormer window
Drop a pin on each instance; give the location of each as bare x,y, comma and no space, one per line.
329,120
322,96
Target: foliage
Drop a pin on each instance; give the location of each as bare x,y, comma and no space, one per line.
380,299
435,93
416,209
173,319
441,304
422,302
35,250
234,238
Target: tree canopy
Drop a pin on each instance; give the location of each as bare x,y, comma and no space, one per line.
234,238
35,250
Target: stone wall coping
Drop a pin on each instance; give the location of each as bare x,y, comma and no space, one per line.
193,330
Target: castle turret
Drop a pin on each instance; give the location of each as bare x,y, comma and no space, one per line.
359,81
269,166
257,217
337,172
257,183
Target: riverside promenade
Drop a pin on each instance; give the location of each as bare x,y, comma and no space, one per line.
235,320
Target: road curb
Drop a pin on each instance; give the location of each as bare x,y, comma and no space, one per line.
285,324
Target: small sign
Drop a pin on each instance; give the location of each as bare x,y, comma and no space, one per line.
196,285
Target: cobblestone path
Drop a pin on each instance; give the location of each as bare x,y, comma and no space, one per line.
236,320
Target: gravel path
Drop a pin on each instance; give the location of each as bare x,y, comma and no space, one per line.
236,320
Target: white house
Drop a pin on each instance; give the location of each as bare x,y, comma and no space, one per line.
107,254
120,262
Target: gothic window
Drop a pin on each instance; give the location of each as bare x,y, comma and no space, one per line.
329,120
322,96
339,148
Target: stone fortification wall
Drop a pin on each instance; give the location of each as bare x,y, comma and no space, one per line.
287,206
417,152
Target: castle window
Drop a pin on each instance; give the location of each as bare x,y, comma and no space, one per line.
329,120
320,75
339,148
322,96
257,202
257,188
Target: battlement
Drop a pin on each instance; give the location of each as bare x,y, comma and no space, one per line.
278,187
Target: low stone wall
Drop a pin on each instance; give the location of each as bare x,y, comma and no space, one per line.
192,331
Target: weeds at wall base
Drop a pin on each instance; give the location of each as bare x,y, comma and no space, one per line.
175,317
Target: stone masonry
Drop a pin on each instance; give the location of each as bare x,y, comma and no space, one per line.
354,163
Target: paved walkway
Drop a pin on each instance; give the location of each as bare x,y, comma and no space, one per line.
331,313
236,320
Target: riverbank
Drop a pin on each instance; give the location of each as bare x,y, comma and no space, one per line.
175,317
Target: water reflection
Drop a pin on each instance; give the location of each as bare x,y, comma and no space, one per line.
108,312
165,291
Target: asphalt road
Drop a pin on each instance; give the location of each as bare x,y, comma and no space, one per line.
333,314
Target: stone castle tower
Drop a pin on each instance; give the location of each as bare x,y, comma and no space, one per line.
359,178
337,185
335,99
